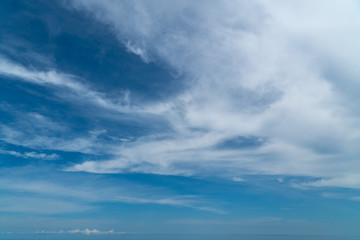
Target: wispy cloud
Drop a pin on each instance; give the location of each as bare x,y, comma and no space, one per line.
258,71
140,51
82,195
247,77
40,205
249,221
34,155
63,83
27,138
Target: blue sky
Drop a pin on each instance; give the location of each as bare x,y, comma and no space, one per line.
235,117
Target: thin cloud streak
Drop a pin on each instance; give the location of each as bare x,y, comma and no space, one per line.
35,155
53,78
80,197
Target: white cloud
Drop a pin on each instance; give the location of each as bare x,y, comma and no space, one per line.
22,137
254,69
138,51
35,155
349,180
283,71
238,179
36,131
63,83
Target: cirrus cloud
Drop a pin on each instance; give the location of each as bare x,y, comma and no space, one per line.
259,71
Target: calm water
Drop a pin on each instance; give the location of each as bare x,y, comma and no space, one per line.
170,237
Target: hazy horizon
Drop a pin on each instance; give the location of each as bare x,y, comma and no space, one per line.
153,236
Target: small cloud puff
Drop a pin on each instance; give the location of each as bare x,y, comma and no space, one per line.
89,231
140,51
238,179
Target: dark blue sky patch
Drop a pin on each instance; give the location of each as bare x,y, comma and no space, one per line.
76,44
22,95
241,142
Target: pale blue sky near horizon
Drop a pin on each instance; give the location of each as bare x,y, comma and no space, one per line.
229,117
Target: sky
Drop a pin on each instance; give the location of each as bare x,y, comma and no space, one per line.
179,117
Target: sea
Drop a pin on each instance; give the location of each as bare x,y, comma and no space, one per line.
172,237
